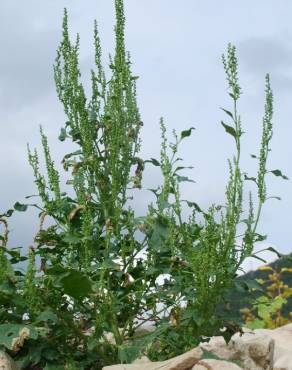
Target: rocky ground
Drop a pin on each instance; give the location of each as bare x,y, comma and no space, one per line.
260,349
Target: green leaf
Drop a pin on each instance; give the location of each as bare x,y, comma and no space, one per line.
240,287
10,332
230,130
249,284
250,178
76,284
256,324
183,179
154,191
179,168
160,234
7,213
62,135
15,255
110,264
227,112
195,205
47,315
20,207
50,354
7,287
72,239
271,249
260,238
258,258
77,152
154,161
128,354
92,343
279,173
164,204
186,133
274,197
268,307
56,269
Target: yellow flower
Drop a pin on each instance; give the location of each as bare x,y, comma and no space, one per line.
265,268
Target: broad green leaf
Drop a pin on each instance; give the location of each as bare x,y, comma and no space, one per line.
255,324
186,133
47,315
230,130
160,233
279,173
20,207
250,285
266,309
12,335
76,284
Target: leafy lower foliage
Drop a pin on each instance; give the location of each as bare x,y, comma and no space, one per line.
267,309
100,273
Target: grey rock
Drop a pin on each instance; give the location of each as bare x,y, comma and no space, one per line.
182,362
211,364
6,362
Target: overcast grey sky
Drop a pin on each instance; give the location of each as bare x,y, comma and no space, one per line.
176,49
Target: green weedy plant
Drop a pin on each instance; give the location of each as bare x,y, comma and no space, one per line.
103,272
